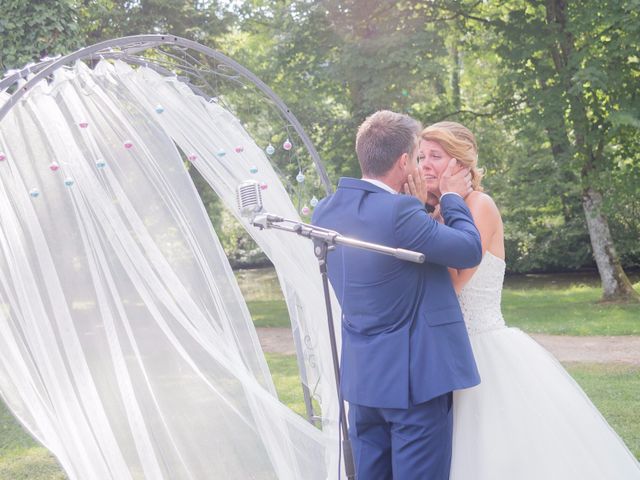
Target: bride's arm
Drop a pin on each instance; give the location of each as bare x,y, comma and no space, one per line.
487,218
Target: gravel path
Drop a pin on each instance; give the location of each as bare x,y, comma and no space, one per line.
623,349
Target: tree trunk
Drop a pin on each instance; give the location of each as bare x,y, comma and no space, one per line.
615,283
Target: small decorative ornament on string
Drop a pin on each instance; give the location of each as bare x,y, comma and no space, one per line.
305,210
68,182
239,149
287,145
128,144
264,186
313,201
270,149
53,166
100,163
34,192
159,108
83,124
192,157
3,157
300,177
221,153
253,169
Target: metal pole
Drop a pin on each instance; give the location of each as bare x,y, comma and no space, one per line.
321,249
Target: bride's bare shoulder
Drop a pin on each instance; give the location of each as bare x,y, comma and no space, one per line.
482,205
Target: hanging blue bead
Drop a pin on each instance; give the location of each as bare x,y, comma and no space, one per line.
159,109
270,149
101,163
221,153
69,181
34,192
313,201
300,177
253,169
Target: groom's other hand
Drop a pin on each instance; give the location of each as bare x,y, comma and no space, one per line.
456,180
416,186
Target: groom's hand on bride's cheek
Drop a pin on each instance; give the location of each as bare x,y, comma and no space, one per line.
416,186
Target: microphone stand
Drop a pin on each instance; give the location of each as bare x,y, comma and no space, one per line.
325,240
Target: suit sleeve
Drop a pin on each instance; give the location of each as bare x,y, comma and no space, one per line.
455,244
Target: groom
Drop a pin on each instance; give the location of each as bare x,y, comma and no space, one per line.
404,343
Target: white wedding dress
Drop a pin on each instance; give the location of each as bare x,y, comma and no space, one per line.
528,419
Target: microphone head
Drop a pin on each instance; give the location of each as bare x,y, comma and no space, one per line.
249,198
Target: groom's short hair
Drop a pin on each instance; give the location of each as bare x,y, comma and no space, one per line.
382,138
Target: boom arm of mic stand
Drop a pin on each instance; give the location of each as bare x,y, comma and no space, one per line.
331,238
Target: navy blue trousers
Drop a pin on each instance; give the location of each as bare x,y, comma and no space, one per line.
402,444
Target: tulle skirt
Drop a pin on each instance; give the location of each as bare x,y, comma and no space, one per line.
529,419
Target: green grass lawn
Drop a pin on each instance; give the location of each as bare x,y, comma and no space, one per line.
615,390
21,457
269,313
554,304
546,304
573,310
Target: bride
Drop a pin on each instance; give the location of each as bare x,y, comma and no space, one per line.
528,419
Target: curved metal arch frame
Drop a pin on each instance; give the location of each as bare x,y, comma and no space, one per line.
137,43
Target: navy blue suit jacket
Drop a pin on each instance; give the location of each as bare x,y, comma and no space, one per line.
404,340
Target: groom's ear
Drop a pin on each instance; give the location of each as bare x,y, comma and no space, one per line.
403,161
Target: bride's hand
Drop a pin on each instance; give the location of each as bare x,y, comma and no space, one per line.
416,186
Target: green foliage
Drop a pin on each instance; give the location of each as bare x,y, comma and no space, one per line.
32,30
550,89
203,21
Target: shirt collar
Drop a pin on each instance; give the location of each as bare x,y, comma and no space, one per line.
380,184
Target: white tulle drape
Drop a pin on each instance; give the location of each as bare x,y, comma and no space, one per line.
126,347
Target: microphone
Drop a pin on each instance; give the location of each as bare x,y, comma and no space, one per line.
249,197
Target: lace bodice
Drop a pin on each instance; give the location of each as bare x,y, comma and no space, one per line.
480,297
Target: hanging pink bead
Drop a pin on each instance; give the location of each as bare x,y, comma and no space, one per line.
239,149
305,210
264,186
287,145
83,124
3,157
53,166
192,157
128,144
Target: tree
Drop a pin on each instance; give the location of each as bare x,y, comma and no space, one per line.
30,31
571,70
202,21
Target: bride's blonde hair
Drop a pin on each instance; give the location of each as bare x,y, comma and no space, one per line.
458,141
